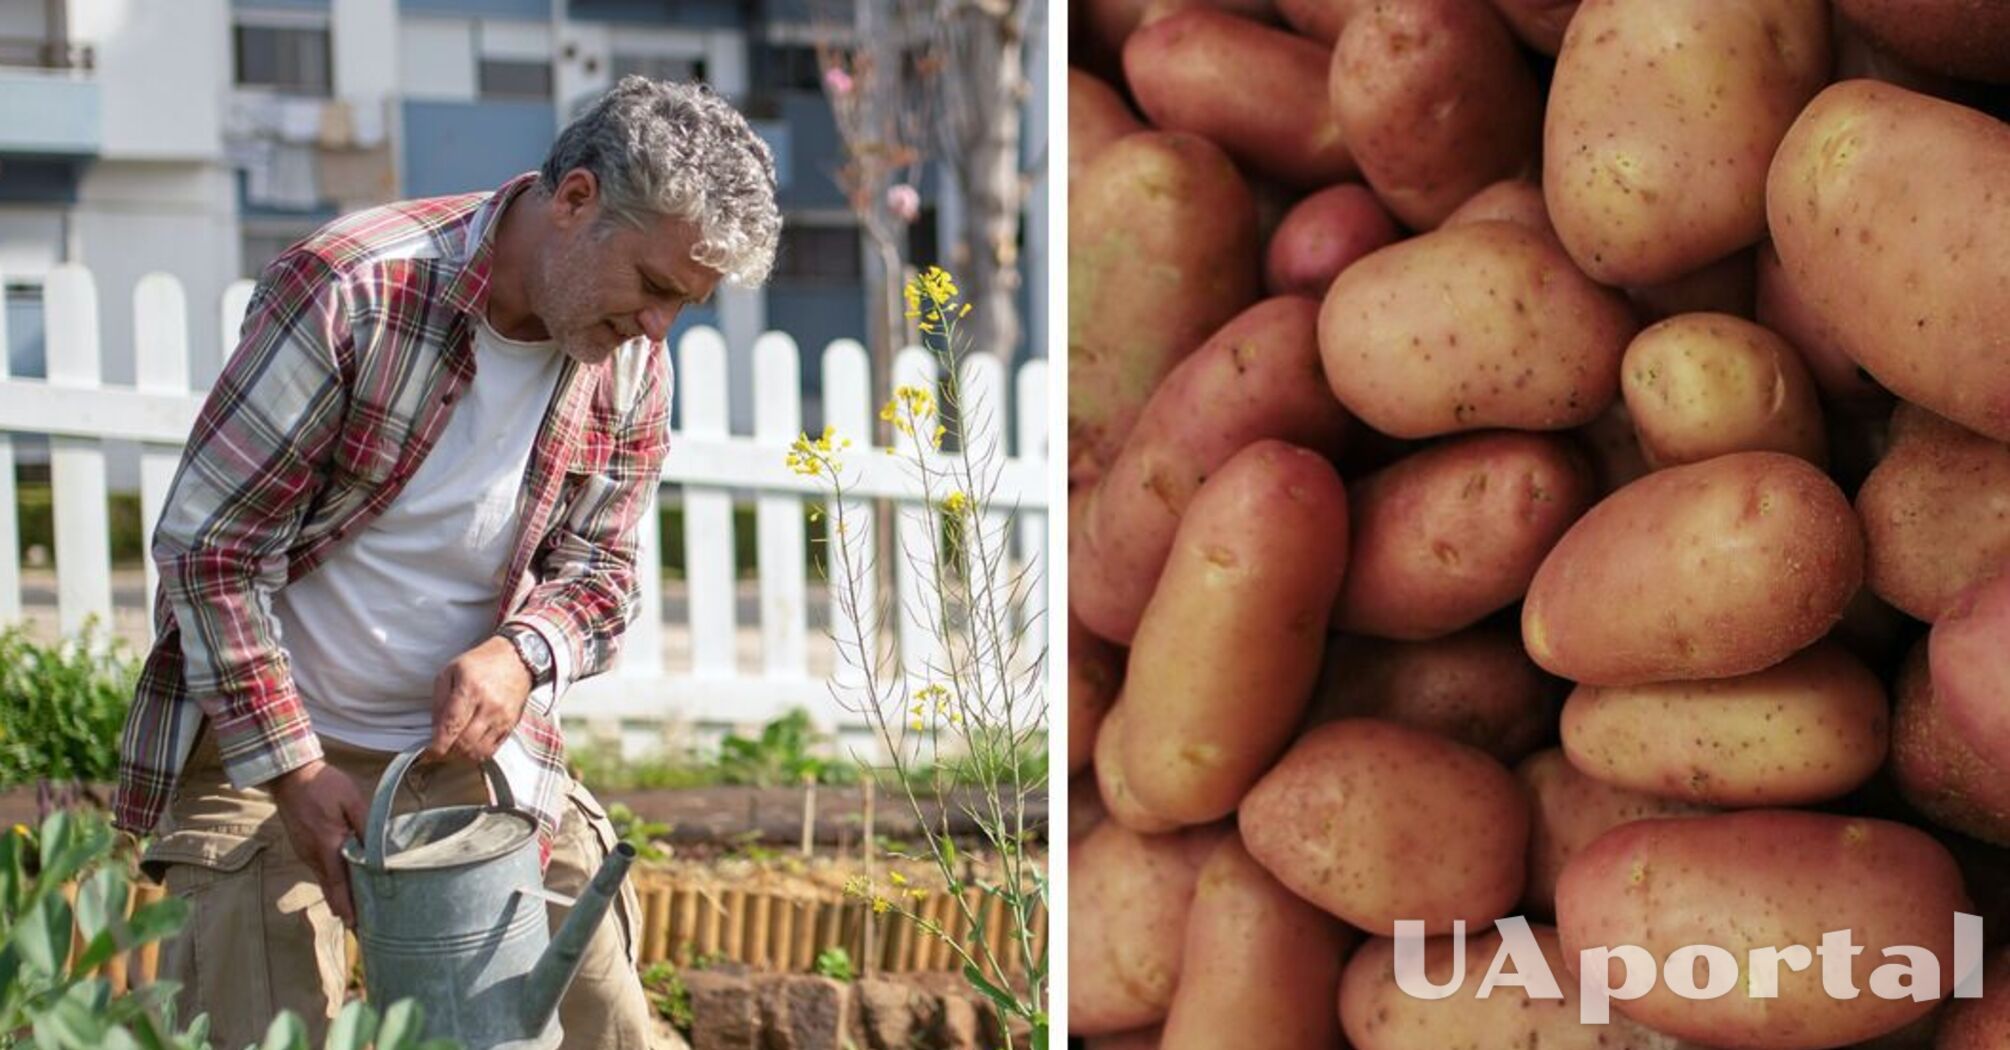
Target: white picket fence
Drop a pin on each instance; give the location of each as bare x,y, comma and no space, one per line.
707,693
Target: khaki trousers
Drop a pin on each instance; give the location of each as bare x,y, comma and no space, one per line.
261,938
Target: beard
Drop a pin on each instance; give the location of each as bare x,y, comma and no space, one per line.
564,300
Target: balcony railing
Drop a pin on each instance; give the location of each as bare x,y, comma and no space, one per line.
42,53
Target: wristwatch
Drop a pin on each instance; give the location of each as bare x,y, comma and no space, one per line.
531,649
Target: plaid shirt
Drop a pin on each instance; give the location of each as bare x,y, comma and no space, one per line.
355,348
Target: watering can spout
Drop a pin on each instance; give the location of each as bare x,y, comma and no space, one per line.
553,973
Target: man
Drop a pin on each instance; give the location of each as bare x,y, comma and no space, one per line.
406,516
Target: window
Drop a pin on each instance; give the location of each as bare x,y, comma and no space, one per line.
679,68
26,356
819,254
291,59
788,67
509,78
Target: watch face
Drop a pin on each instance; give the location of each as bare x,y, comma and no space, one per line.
535,652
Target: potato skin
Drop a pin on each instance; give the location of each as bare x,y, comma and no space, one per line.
1161,251
1662,117
1448,535
1808,729
1980,1024
1969,39
1486,324
1135,1039
1937,769
1120,801
1891,214
1321,20
1096,118
1765,878
1936,512
1095,672
1228,650
1971,663
1375,822
1378,1015
1435,102
1727,286
1700,385
1568,810
1706,570
1256,950
1539,23
1781,309
1131,895
1476,687
1322,235
1243,85
1258,377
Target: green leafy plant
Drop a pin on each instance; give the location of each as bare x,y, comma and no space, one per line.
62,707
835,963
664,986
783,755
982,697
643,835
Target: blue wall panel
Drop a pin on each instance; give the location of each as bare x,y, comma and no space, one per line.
692,14
538,9
461,147
814,153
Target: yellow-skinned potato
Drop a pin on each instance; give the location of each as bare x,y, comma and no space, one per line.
1378,1015
1095,670
1936,512
1448,535
1939,770
1435,101
1807,729
1131,895
1486,324
1161,251
1258,377
1096,118
1663,115
1243,85
1255,950
1476,687
1228,650
1568,810
1765,879
1980,1024
1891,214
1706,570
1701,385
1376,822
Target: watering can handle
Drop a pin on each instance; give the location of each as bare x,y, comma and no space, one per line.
387,791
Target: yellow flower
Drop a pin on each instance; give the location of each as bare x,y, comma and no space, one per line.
965,312
880,905
856,886
915,725
917,893
956,504
21,830
896,878
812,457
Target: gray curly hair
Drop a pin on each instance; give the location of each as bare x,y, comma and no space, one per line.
665,149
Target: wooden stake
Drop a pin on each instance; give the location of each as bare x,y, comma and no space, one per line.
760,917
683,925
733,940
656,943
867,848
809,813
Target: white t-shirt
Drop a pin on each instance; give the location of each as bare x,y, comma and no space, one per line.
369,630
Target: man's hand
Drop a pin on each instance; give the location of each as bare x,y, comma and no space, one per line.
477,701
320,807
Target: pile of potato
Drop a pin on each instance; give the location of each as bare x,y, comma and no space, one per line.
1532,458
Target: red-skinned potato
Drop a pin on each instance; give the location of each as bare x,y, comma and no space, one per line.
1727,286
1131,894
1255,949
1808,729
1176,200
1891,214
1780,308
1509,200
1376,822
1936,512
1539,23
1321,20
1961,38
1980,1024
1476,687
1085,806
1568,810
1096,118
1119,801
1970,657
1258,377
1940,771
1663,115
1451,534
1243,85
1095,671
1226,655
1482,325
1701,385
1435,102
1765,879
1135,1039
1706,570
1322,235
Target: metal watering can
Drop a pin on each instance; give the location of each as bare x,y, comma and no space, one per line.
450,911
